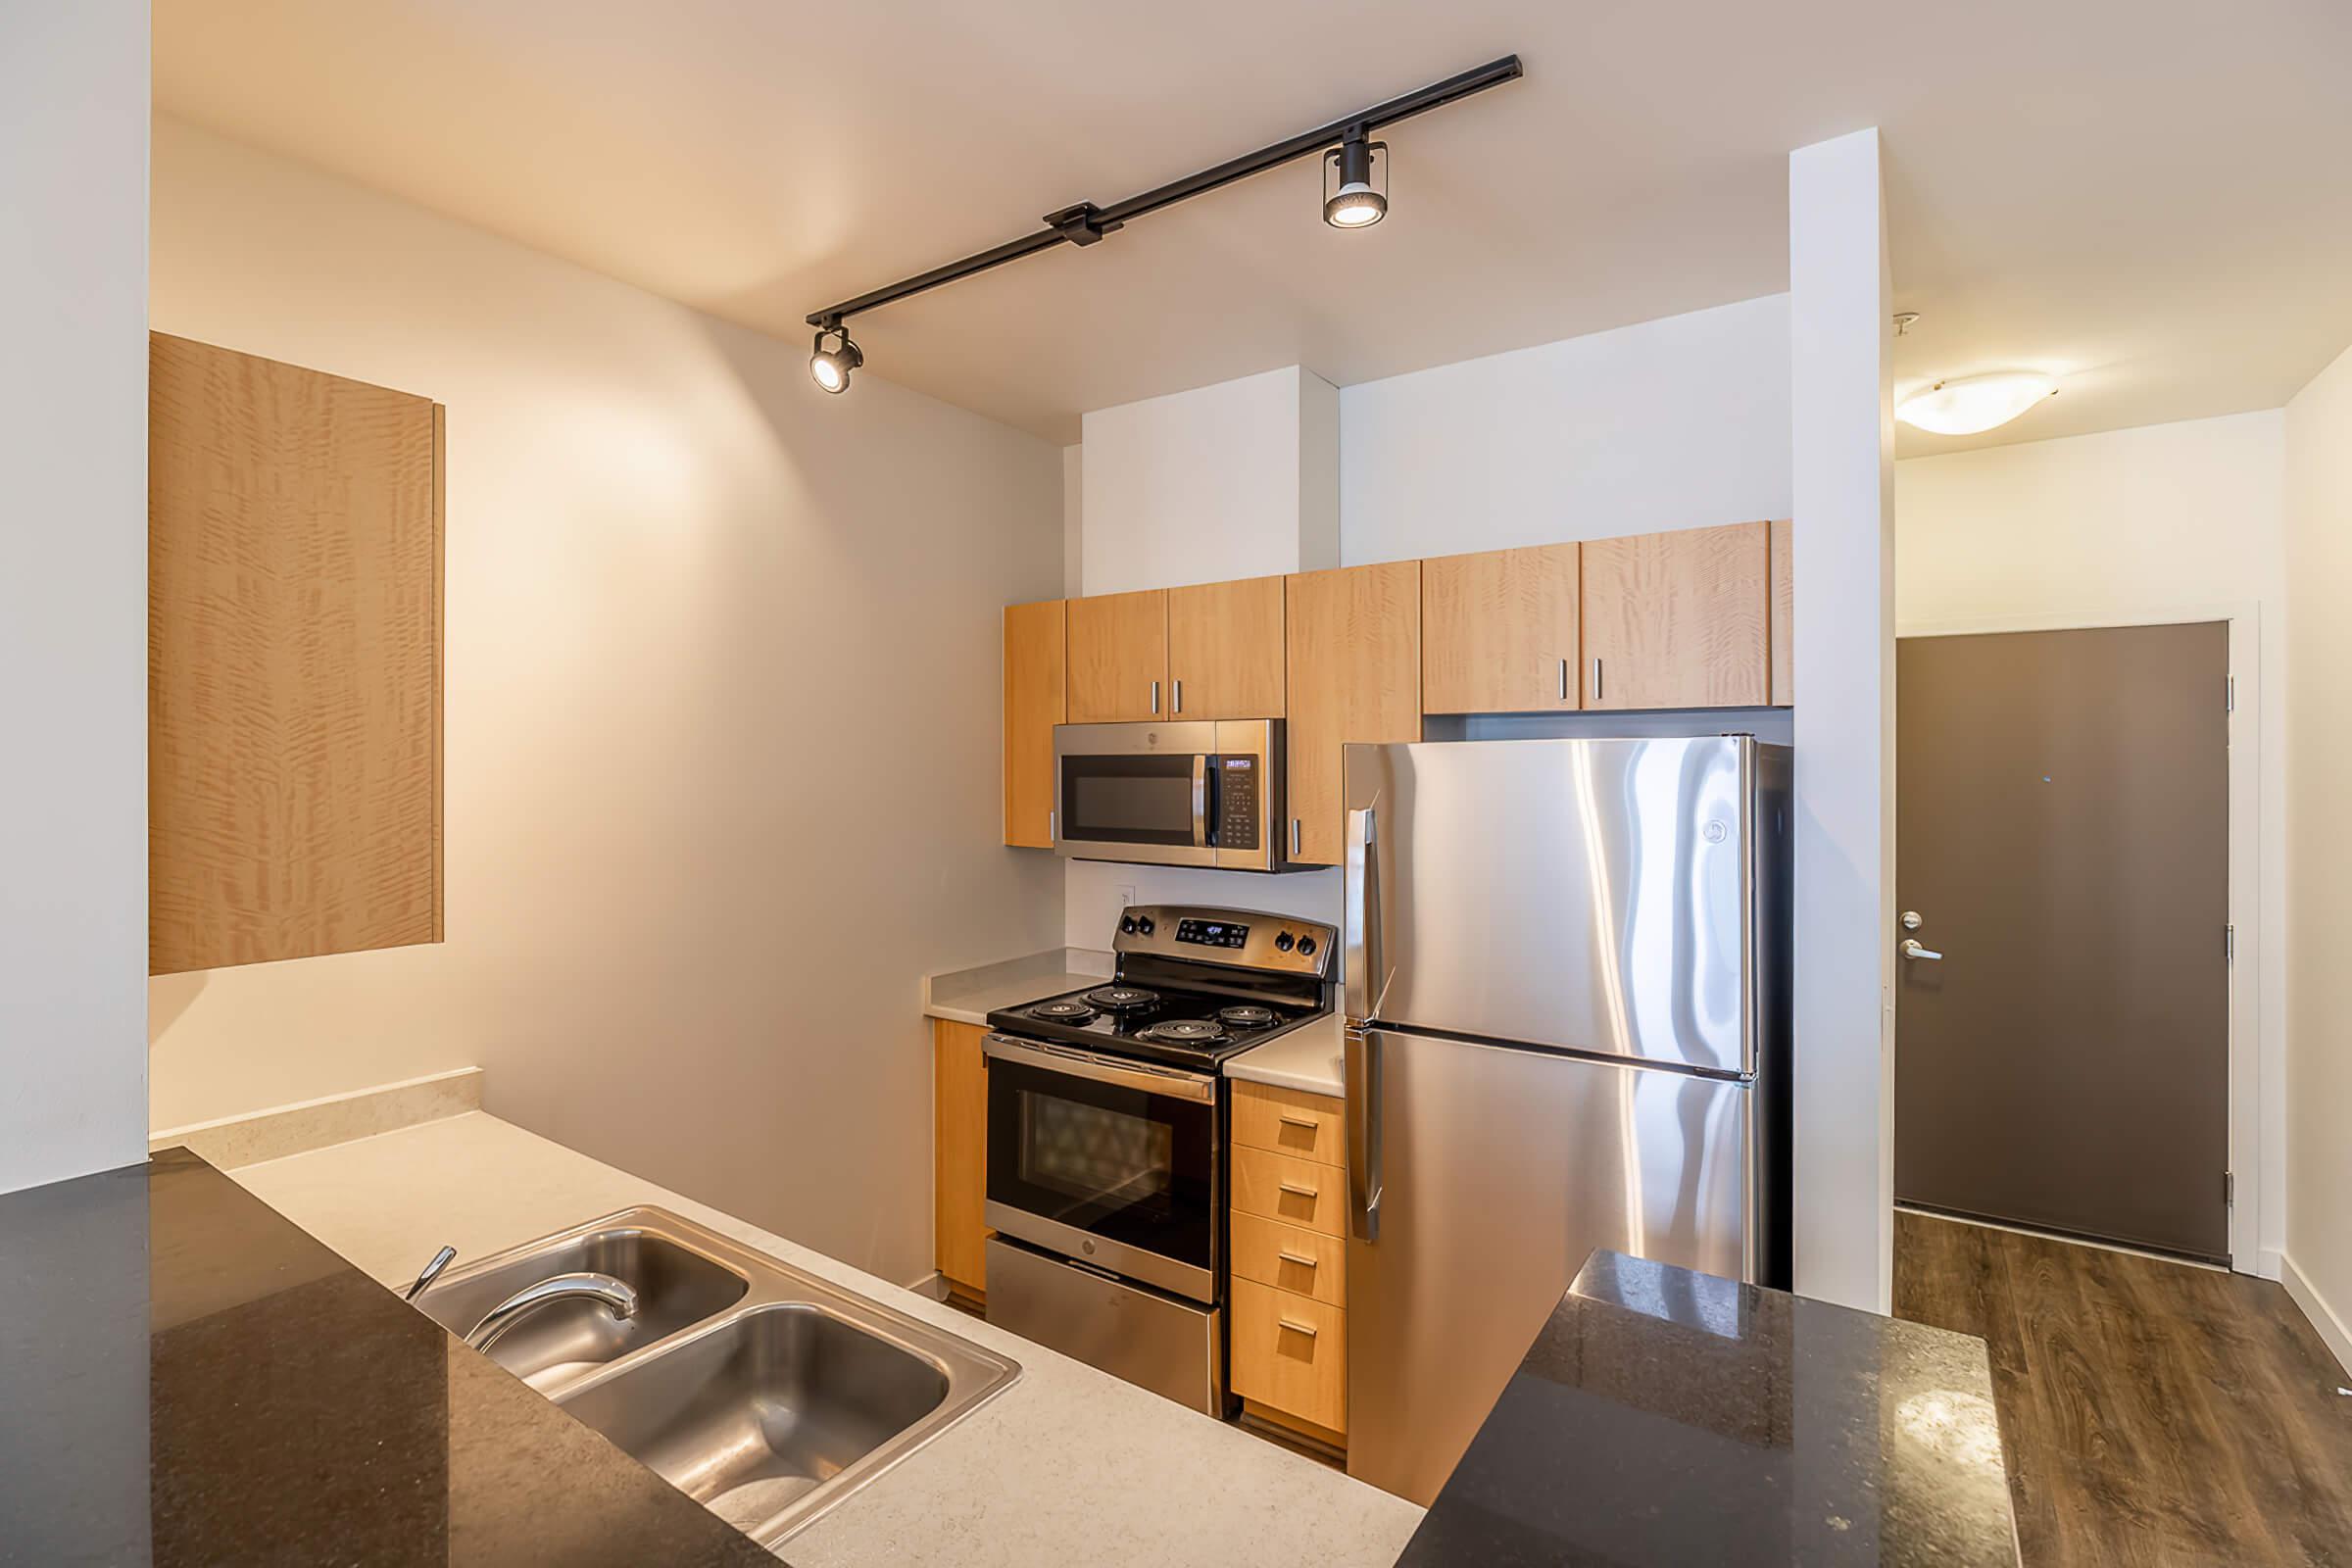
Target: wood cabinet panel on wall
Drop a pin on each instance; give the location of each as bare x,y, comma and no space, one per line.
1225,649
1035,695
1678,619
1784,615
1355,639
1118,657
294,662
960,1155
1499,631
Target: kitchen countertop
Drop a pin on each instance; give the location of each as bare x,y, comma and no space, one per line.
1067,1465
1666,1418
188,1378
1307,1058
969,996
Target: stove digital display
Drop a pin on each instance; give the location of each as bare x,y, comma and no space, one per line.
1212,933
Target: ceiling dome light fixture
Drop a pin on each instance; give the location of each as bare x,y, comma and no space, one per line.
1971,405
1344,144
1357,204
830,367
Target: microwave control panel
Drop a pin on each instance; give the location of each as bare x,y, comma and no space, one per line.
1237,824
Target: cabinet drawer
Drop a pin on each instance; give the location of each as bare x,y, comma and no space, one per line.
1297,1192
1306,1263
1290,1351
1289,1122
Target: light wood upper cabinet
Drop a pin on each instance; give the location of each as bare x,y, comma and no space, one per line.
1783,617
294,662
1678,619
1225,649
960,1155
1034,697
1499,631
1118,653
1355,638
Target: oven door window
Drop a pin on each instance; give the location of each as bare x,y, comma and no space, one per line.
1111,1161
1129,800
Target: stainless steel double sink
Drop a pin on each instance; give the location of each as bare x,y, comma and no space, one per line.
764,1392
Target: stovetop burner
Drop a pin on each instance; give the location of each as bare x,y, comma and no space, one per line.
1248,1016
1122,999
1185,1032
1062,1009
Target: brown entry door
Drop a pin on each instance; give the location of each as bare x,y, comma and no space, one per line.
2063,836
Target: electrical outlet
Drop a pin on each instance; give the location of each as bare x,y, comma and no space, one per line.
1126,893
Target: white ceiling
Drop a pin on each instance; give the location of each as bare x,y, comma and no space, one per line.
2154,199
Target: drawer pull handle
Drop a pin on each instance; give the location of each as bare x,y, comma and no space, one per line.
1291,1119
1289,1257
1297,1191
1297,1327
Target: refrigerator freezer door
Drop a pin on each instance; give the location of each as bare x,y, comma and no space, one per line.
1592,894
1500,1169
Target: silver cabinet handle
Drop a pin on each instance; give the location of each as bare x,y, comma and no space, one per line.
1155,697
1292,1119
1297,1191
1054,827
1297,1327
1178,694
1913,950
1563,681
1293,838
1289,1257
1596,680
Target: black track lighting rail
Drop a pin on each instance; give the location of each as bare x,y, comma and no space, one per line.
1084,222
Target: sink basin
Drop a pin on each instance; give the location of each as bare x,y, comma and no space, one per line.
760,1389
678,1284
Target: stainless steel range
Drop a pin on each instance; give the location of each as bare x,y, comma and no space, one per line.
1107,1133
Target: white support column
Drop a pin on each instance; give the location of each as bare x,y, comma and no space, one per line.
1841,433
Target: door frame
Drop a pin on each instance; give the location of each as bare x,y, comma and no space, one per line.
2256,1065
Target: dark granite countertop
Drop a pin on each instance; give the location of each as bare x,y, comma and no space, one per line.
187,1377
1666,1418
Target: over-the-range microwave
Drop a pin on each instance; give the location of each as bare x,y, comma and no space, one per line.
1183,793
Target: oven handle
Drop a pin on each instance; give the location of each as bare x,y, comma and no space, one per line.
1168,1083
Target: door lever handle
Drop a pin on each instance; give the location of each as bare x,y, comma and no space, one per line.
1913,950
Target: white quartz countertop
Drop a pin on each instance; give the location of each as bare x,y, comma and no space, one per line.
969,996
1307,1058
1066,1467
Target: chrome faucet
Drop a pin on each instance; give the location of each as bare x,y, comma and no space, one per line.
617,1296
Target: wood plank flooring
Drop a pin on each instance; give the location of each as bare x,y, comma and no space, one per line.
2153,1413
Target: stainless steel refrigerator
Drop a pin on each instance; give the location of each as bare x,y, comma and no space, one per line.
1567,1010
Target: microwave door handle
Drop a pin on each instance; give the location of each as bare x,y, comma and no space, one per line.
1199,799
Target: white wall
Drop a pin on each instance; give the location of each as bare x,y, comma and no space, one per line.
2149,521
2318,1069
1842,442
1670,424
74,96
723,716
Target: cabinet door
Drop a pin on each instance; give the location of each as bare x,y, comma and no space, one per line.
1225,653
294,644
1034,694
1678,619
1499,631
960,1101
1355,638
1783,617
1118,657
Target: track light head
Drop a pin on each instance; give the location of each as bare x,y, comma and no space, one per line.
1356,204
830,367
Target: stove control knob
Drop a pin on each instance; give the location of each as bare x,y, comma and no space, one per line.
1306,946
1283,943
1143,924
1127,924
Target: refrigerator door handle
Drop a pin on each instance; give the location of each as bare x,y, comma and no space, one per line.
1360,1063
1363,913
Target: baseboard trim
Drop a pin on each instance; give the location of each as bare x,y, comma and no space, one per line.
2329,1327
230,1141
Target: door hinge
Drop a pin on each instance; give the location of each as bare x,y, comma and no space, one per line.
2230,696
2229,943
2229,1189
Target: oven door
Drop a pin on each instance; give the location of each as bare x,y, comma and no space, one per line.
1133,792
1112,1162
